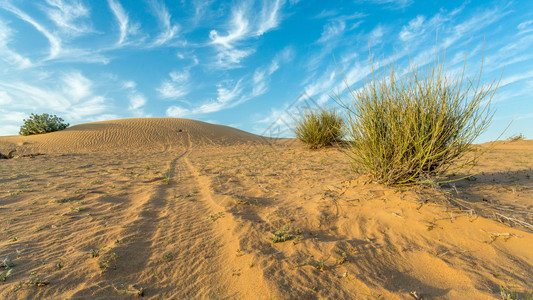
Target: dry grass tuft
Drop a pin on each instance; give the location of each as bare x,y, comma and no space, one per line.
319,128
412,126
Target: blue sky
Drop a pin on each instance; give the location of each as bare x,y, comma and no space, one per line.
243,63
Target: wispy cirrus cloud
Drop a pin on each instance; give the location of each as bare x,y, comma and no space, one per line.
76,86
176,87
238,30
8,55
243,25
262,75
72,96
269,16
55,41
169,30
232,93
68,16
391,4
125,26
64,16
420,28
137,100
332,30
228,56
474,24
229,94
525,27
413,29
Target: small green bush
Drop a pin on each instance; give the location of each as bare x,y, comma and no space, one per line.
319,128
516,137
44,123
412,126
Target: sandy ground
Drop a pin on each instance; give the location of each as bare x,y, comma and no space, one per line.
181,209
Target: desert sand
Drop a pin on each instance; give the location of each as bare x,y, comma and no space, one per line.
182,209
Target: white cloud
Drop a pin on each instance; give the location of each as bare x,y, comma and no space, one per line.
163,16
102,117
474,24
512,52
9,56
129,84
231,58
179,77
332,30
176,87
228,95
376,34
262,75
201,10
13,116
177,112
238,31
170,91
323,85
33,96
413,29
66,16
259,83
123,21
137,101
72,96
88,107
244,25
9,130
5,99
525,27
55,41
269,16
507,80
76,86
393,4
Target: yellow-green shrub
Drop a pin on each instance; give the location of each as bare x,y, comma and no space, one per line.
413,126
319,128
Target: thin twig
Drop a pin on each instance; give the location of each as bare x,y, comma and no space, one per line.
514,220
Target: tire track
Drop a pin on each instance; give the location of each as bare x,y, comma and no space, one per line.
170,249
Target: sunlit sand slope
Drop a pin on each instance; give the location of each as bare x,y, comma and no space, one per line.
127,135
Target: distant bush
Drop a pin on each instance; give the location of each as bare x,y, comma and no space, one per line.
319,128
44,123
411,126
517,137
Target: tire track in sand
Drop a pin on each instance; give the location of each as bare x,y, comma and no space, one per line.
170,249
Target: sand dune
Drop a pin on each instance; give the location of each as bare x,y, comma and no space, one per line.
119,207
127,134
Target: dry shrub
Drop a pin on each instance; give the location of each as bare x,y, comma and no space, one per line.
319,128
412,126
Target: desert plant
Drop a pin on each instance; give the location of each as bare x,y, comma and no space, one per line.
44,123
319,128
411,126
281,236
516,137
6,275
509,294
